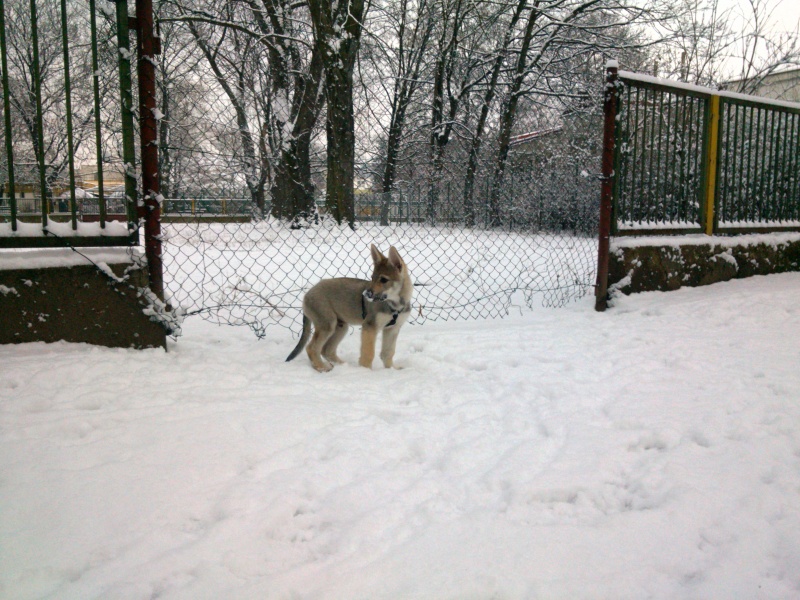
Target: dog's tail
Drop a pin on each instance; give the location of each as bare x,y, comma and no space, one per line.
303,339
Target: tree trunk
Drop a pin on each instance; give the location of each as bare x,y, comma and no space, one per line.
164,151
337,28
508,116
406,83
292,191
441,123
488,98
340,129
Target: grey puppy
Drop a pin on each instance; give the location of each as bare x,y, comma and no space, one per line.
381,304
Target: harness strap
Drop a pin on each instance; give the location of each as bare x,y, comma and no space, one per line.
395,314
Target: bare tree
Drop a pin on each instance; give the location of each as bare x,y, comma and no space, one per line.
708,42
282,52
551,29
488,97
337,32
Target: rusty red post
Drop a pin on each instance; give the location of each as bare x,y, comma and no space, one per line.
148,130
610,97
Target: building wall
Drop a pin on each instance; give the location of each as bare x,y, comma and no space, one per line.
778,86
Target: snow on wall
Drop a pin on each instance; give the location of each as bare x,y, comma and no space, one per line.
65,257
668,263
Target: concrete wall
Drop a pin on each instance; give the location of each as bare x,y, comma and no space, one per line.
650,264
50,295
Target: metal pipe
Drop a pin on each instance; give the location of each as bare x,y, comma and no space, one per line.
73,208
148,133
607,185
37,87
7,118
97,131
126,100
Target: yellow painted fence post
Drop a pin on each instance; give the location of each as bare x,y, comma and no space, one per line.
711,163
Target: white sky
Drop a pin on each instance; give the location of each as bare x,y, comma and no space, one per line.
784,14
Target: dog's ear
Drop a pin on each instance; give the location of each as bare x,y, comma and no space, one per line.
395,260
377,257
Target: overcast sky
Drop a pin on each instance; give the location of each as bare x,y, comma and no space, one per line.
784,16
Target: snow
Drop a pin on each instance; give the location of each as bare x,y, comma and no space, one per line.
256,274
112,228
651,451
79,193
676,241
698,89
632,226
63,257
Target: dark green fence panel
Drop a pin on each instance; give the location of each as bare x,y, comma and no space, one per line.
659,155
758,182
53,125
663,150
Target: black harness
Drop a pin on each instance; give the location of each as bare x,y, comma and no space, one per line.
395,313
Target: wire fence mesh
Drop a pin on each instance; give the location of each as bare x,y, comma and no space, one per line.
476,129
256,273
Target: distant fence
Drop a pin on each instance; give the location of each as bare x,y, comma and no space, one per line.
394,208
689,159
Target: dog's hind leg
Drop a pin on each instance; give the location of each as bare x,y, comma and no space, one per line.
322,333
329,349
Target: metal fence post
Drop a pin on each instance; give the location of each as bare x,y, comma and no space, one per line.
73,204
711,139
610,98
37,93
148,131
98,132
12,193
126,113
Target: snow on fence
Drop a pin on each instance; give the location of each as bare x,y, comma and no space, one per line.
683,159
690,159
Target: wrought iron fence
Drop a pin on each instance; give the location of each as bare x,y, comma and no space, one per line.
696,160
59,138
758,180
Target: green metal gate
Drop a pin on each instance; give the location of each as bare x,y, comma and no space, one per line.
695,160
69,175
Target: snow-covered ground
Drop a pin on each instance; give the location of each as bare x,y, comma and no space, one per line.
652,451
256,274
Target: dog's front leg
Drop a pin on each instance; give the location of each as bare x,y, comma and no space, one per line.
388,344
369,334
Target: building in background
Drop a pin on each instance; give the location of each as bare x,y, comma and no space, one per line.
783,85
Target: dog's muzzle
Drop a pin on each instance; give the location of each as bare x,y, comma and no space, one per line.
372,297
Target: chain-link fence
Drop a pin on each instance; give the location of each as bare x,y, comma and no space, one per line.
476,155
469,131
256,273
232,264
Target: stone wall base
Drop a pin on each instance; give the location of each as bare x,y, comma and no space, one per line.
78,303
643,265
